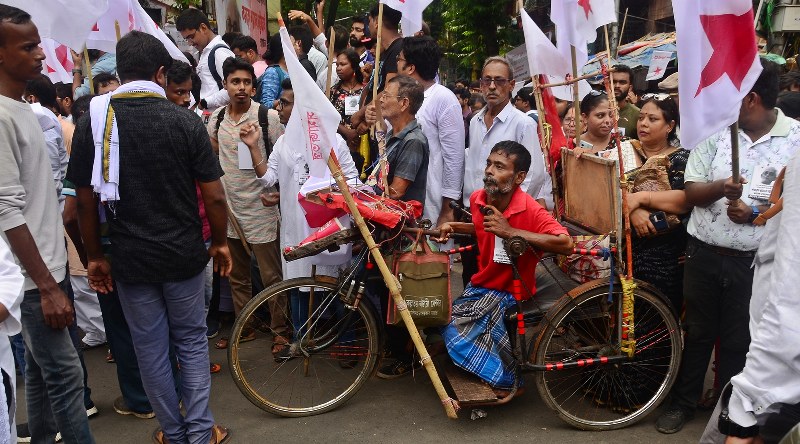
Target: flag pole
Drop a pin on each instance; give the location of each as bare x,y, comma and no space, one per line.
330,65
735,173
621,30
450,404
116,29
378,128
88,69
626,219
576,104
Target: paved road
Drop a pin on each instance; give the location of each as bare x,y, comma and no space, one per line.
404,410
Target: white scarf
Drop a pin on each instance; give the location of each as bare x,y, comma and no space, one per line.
105,170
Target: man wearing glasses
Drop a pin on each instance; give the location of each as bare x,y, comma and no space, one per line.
195,28
499,120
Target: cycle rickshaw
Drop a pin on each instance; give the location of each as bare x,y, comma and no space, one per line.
603,354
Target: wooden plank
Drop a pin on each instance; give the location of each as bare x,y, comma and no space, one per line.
591,191
468,388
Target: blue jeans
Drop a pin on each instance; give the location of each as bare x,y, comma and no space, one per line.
121,345
53,378
164,315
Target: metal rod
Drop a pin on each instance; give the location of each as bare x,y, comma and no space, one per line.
575,97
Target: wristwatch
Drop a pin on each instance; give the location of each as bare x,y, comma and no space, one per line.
754,215
726,425
77,71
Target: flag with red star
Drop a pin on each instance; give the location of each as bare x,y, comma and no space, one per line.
577,22
65,21
58,61
719,64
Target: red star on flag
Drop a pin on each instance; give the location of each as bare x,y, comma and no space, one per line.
657,70
587,7
734,48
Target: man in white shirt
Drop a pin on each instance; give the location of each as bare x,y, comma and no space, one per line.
11,281
195,28
765,395
718,274
443,125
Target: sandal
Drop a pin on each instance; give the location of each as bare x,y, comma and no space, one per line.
215,368
247,336
219,434
281,349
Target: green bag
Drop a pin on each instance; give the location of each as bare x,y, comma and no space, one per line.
424,276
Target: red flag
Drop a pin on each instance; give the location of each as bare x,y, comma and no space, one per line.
557,138
718,62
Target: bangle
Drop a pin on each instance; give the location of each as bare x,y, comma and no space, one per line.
263,159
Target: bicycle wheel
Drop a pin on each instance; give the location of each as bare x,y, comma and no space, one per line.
331,359
607,396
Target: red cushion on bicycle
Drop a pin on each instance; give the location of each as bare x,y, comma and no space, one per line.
524,213
385,211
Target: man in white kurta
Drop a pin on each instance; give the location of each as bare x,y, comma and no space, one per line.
11,281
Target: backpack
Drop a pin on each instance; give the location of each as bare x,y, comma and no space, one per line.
212,64
263,122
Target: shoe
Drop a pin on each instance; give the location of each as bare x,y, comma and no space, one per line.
219,434
24,435
397,368
122,408
673,420
92,411
212,330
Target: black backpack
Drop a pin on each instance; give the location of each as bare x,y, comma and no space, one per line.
212,64
263,122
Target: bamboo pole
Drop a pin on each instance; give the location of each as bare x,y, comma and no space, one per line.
571,80
379,129
329,80
626,219
89,75
116,29
621,30
450,405
576,104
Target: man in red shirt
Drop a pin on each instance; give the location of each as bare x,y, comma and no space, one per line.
476,337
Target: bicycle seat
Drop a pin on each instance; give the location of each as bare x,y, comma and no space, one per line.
551,284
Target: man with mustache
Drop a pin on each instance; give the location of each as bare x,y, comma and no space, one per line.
358,32
476,338
499,120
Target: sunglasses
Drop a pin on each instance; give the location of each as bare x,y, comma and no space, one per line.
499,82
656,96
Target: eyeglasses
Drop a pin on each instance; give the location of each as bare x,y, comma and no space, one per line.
282,103
569,121
498,82
400,59
656,96
396,97
190,36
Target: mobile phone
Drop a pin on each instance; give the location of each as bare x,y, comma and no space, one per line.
586,145
659,221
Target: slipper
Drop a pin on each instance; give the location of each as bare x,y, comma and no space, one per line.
215,368
110,357
219,434
247,336
281,349
158,436
222,343
502,394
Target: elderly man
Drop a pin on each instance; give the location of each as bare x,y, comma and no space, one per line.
476,337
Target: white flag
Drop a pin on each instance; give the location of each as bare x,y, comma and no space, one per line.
543,56
131,16
314,120
577,22
412,13
565,92
719,64
65,21
58,61
658,64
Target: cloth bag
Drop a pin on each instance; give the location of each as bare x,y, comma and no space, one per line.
653,175
424,277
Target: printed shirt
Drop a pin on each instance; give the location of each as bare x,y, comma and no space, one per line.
242,187
711,161
524,213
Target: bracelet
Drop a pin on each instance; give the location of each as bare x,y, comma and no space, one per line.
77,71
263,159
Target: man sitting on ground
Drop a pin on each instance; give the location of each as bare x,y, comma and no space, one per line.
476,337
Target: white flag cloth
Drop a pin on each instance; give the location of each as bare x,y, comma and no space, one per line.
131,16
58,61
658,64
314,120
412,13
577,22
65,21
543,56
719,64
564,92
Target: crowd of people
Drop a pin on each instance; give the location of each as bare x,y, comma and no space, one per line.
121,213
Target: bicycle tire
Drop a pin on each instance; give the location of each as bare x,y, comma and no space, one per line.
305,385
608,396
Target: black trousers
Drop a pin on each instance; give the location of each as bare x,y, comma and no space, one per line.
716,290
